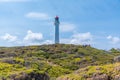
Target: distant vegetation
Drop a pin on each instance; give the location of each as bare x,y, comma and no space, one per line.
59,62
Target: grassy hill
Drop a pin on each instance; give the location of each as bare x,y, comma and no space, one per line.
56,62
103,72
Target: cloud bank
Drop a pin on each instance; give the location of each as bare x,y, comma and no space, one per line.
38,15
9,37
33,36
113,40
37,38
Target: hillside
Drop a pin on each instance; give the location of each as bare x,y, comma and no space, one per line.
56,62
103,72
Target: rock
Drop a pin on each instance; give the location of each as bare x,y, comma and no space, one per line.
30,76
99,77
117,77
117,59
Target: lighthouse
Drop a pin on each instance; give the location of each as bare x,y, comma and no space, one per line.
57,30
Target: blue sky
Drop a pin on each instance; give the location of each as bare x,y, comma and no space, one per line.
31,22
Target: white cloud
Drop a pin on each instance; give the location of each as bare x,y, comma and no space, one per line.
33,37
9,38
67,27
36,15
109,37
47,42
79,38
82,38
14,0
113,40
